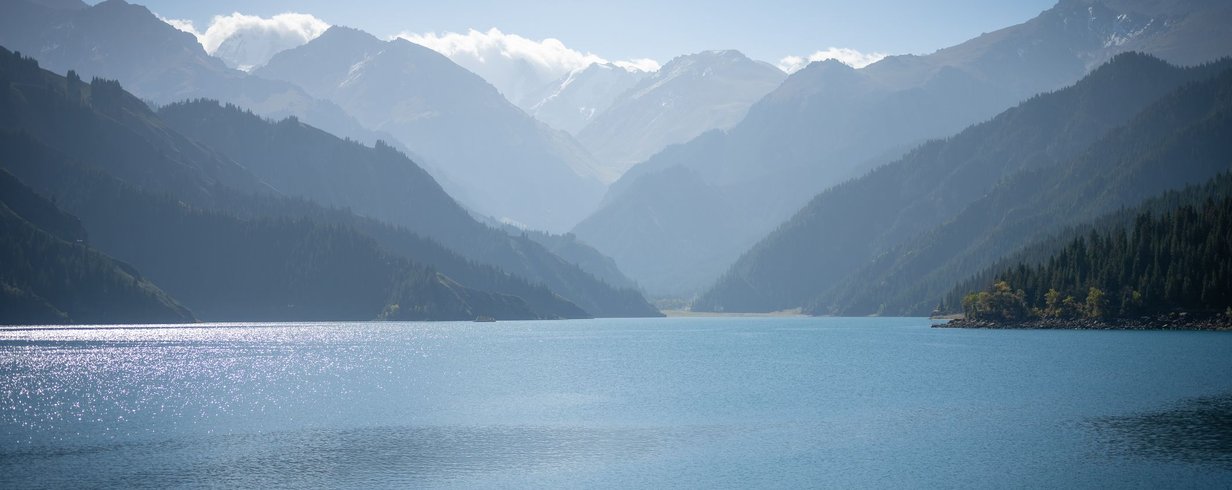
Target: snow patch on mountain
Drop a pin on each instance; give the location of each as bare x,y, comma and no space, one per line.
573,101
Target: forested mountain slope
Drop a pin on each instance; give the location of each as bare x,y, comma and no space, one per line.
156,199
1180,260
1118,223
381,183
49,274
1179,140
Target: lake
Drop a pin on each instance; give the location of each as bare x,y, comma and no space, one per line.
677,402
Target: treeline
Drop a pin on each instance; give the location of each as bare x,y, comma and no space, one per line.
1178,260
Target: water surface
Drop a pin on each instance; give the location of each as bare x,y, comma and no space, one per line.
685,402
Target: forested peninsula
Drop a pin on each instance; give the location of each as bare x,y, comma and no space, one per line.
1165,271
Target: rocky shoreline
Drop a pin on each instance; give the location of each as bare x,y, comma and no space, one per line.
1173,321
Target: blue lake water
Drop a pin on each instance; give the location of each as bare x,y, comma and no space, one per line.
684,402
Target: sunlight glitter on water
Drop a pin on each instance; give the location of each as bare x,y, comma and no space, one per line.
693,402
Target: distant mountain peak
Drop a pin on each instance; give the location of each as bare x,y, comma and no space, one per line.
698,63
706,57
718,53
824,70
422,50
344,34
833,64
131,15
121,5
819,77
603,67
1111,24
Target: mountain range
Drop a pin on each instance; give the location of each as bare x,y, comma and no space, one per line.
384,185
208,221
895,240
355,178
829,122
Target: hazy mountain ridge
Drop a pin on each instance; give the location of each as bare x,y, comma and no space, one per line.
384,184
100,122
955,206
569,248
861,219
300,160
128,43
718,228
506,163
827,120
227,268
257,252
1178,141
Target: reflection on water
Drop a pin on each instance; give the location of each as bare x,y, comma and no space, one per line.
1194,431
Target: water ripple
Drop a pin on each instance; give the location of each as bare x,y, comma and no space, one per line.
1197,431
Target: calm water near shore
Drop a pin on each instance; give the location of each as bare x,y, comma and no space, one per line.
685,402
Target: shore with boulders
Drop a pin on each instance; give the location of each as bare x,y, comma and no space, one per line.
1169,321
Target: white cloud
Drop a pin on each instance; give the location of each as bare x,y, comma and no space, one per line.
515,65
245,41
847,56
181,24
639,64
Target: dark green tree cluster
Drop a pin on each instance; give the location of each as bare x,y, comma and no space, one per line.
48,274
16,67
104,93
1179,260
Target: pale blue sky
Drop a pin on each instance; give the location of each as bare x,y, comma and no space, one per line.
657,29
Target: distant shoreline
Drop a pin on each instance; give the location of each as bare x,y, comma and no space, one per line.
796,312
1175,321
